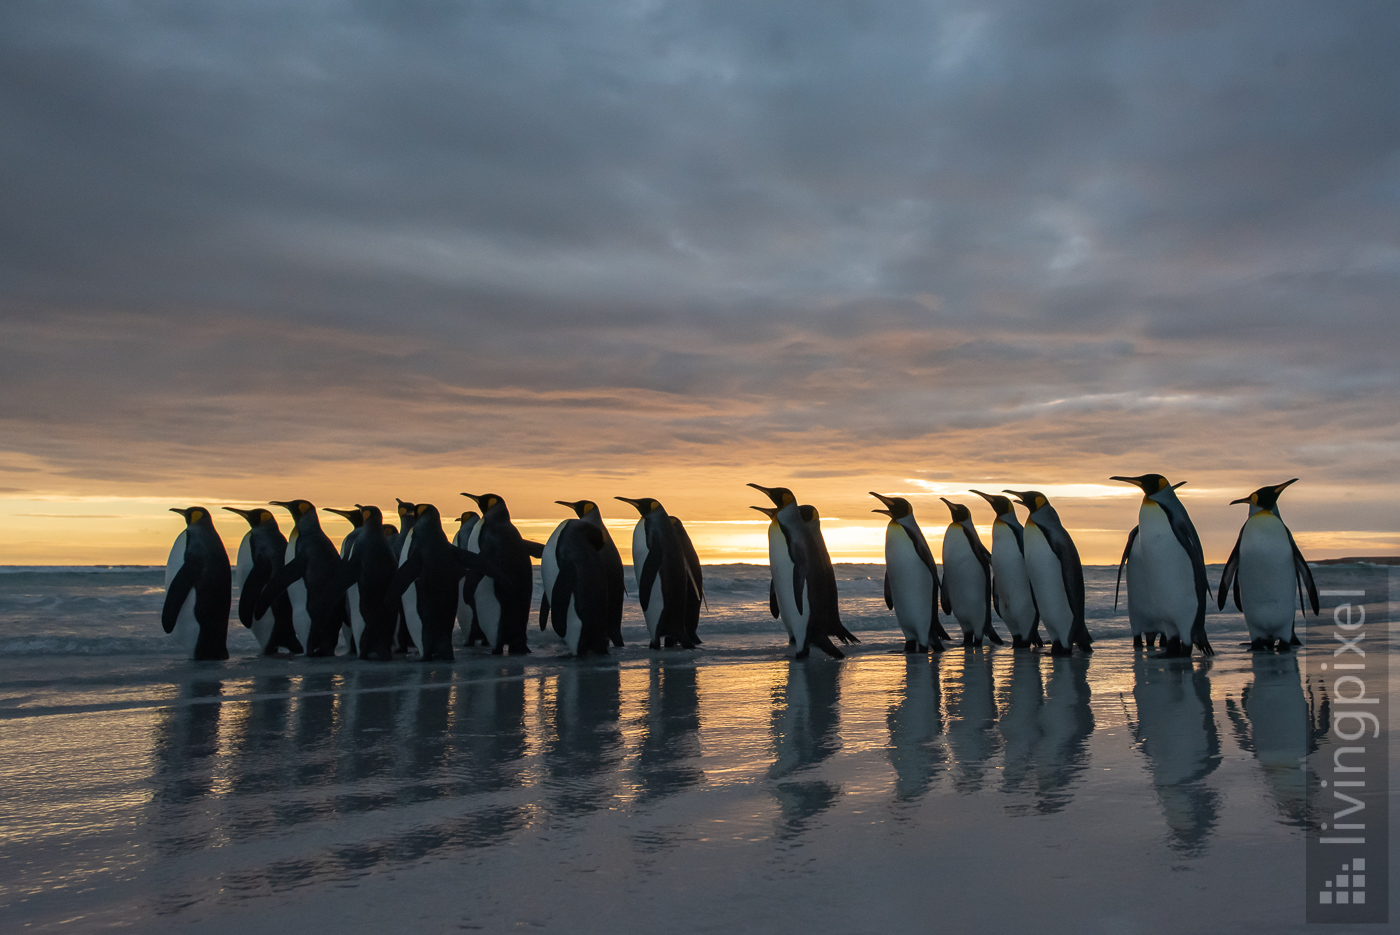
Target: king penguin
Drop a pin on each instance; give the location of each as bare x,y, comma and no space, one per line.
1011,586
374,604
347,547
433,566
466,597
911,578
261,555
587,511
198,588
580,591
315,579
967,577
1266,568
662,579
1137,618
504,591
811,588
398,541
780,602
1055,573
1173,580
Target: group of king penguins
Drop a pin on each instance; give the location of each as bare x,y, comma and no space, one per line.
390,589
397,589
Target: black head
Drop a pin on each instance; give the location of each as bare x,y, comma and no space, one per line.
581,508
1002,505
390,530
1266,498
644,505
427,514
194,515
487,502
1147,483
468,516
255,517
780,496
370,516
406,508
809,513
354,516
895,507
298,508
1030,499
960,512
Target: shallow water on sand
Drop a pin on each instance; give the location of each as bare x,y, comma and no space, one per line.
720,790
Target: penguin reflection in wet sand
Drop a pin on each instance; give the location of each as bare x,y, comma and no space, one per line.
433,567
374,603
911,578
967,577
587,511
505,588
1266,570
1137,599
261,555
662,578
1011,586
314,578
811,587
1055,572
198,588
1173,568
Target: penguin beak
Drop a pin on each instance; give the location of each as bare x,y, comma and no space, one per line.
1284,486
889,513
185,512
474,498
1240,500
1138,482
635,503
242,513
1180,483
771,493
769,512
1020,496
576,505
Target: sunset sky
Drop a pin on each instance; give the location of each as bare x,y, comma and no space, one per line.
349,251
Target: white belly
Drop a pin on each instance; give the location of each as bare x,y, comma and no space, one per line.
488,610
1268,582
296,593
1137,590
357,619
1170,594
1011,582
911,585
549,563
262,626
964,579
780,566
1043,569
411,620
573,627
186,632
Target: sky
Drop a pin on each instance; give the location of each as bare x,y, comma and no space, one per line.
353,251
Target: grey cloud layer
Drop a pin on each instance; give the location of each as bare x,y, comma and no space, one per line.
1093,225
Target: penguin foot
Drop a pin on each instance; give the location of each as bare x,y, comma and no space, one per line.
498,651
967,639
1057,650
935,646
1284,646
1137,641
910,646
1017,642
654,644
802,653
1173,649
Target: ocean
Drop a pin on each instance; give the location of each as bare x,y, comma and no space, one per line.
725,789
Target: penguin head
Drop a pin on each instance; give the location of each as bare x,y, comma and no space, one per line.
1030,499
581,508
194,515
390,530
255,517
1265,498
489,502
809,514
298,508
644,506
961,514
895,507
355,516
1151,485
468,516
425,513
406,508
1002,505
769,511
780,496
370,517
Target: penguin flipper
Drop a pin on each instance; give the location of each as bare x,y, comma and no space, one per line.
946,600
536,549
773,599
563,590
288,573
408,572
176,594
1127,549
1305,577
650,569
250,590
544,609
991,632
889,597
1227,577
